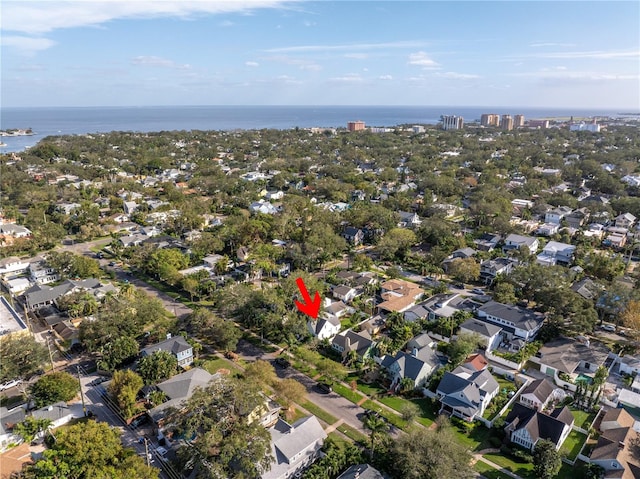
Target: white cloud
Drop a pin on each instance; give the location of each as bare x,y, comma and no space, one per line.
301,63
38,17
26,44
423,60
582,76
309,24
457,76
252,64
600,55
357,56
350,46
348,78
385,77
226,24
551,44
153,61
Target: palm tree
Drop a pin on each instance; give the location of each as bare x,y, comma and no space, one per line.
376,425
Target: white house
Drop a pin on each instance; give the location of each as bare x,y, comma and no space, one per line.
514,242
537,394
12,264
466,392
178,346
344,293
516,322
526,426
325,327
489,333
556,215
555,252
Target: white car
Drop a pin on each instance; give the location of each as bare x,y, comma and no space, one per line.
161,450
609,327
10,384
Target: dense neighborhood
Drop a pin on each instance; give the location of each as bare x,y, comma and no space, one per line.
478,294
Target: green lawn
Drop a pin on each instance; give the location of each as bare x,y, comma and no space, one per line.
338,438
212,365
522,469
394,402
318,412
352,433
370,389
573,444
583,419
347,393
393,418
505,383
476,440
489,472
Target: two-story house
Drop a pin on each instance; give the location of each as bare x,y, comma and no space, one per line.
349,340
516,322
491,268
556,215
555,252
466,392
489,333
354,236
625,220
613,451
526,426
538,393
178,346
417,365
516,242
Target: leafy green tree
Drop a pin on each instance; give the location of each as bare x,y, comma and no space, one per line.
546,460
431,454
223,335
117,353
409,411
224,443
464,269
504,293
89,450
30,427
124,387
396,243
54,387
461,347
261,372
289,391
22,356
157,367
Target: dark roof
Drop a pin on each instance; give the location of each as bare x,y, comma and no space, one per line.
565,354
540,388
522,318
539,425
361,471
485,329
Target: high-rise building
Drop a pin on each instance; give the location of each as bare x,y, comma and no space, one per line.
518,121
355,126
452,122
490,119
538,123
507,122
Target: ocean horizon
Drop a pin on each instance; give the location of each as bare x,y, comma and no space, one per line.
47,121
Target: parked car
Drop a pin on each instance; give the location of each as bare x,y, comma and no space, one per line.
324,387
282,362
477,291
608,327
162,451
139,421
10,384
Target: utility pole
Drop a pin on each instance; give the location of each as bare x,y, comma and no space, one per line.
146,450
53,367
84,406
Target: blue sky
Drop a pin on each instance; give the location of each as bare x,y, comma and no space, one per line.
261,52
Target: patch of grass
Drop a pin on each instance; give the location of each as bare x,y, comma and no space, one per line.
573,444
476,439
318,412
212,365
521,469
338,439
489,472
392,418
347,393
583,419
373,389
394,402
352,433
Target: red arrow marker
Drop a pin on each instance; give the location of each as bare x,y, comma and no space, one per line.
309,307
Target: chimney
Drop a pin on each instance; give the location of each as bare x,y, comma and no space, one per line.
621,445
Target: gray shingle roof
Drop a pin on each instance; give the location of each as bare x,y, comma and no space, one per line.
485,329
522,318
174,345
361,471
539,425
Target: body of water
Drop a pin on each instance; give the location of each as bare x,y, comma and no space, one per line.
81,120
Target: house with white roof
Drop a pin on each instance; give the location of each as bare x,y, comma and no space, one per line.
294,446
555,252
515,242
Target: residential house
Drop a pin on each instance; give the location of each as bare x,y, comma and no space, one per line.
417,365
263,207
178,389
555,252
587,288
58,413
132,240
577,218
556,215
416,313
294,446
67,208
398,295
177,345
462,253
373,325
572,357
354,236
537,394
491,268
12,264
476,361
41,273
8,419
516,242
337,308
343,293
324,327
487,241
129,207
516,322
526,426
14,231
38,296
489,333
466,393
547,229
266,414
409,220
443,305
614,451
349,340
274,195
361,471
625,220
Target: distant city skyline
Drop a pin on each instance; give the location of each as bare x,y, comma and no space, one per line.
583,55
